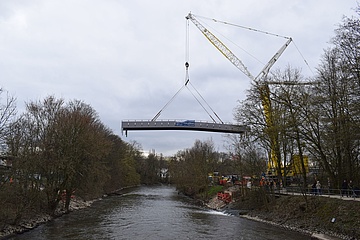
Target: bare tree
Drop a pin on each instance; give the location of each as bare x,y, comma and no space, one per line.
64,145
248,155
265,130
291,95
191,167
121,166
7,113
347,42
81,146
337,135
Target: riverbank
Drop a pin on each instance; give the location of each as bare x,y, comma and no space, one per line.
33,221
320,217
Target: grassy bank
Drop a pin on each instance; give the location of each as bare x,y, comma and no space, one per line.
314,213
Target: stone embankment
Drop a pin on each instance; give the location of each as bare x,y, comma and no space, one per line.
33,222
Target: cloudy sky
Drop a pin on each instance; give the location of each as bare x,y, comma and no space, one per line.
126,58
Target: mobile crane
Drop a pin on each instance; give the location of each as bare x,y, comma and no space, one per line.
260,81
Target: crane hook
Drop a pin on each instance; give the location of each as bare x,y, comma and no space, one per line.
187,73
187,65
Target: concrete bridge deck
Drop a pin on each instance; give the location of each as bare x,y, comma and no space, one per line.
190,125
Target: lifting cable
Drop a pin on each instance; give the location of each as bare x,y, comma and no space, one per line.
187,81
186,77
200,102
206,104
159,113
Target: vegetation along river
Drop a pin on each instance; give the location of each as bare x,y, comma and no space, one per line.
154,213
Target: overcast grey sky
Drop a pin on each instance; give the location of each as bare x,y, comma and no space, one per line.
126,58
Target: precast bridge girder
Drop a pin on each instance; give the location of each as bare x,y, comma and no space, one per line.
190,125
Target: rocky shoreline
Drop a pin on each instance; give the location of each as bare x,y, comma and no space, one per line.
33,222
313,235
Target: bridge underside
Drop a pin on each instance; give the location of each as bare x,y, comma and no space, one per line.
190,125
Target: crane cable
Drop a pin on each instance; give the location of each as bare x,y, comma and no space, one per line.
187,79
248,28
167,104
254,30
302,56
217,116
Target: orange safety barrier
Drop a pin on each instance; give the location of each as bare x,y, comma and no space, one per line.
226,197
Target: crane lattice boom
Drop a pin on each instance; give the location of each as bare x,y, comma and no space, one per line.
221,47
264,72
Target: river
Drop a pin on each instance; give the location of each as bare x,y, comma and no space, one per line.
154,213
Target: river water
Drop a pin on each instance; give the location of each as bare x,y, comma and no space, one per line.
154,213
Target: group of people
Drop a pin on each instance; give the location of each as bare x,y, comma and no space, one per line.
347,189
316,188
270,184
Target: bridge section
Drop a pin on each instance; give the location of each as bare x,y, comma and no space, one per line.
190,125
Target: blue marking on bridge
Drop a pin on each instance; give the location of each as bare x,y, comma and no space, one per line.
189,123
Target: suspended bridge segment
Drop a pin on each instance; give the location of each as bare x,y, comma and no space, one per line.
189,125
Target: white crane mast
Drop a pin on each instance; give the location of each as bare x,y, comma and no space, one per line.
264,72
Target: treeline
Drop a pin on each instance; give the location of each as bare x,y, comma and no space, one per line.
60,149
318,117
191,168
